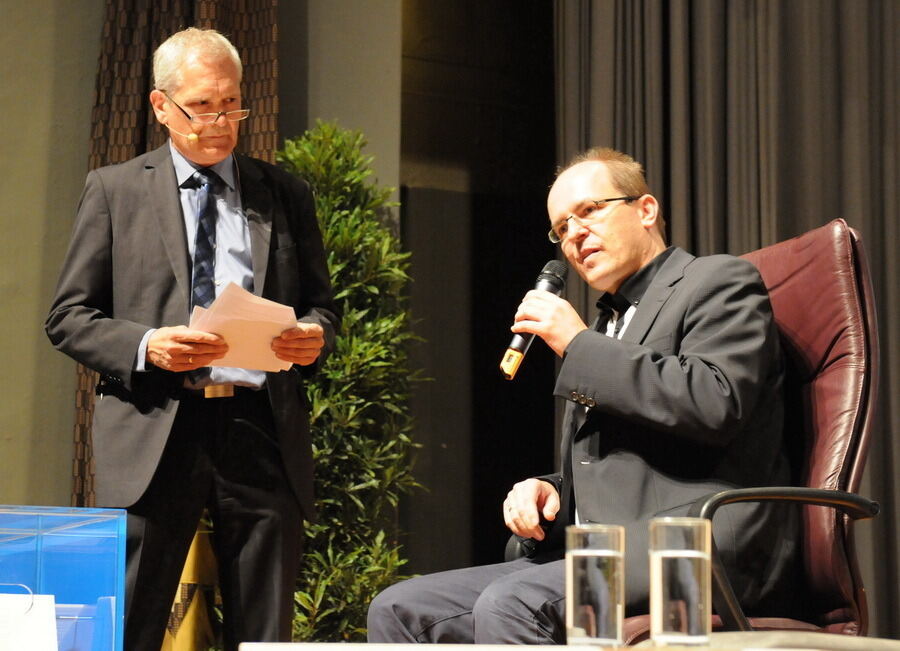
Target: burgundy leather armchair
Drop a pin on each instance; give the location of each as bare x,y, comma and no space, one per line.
823,304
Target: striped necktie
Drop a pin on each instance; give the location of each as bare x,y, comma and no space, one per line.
203,288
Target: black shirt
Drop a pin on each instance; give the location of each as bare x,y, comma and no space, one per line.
631,292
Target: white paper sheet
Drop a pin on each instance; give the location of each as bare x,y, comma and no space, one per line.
27,622
248,324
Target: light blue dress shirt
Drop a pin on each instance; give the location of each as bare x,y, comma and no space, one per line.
233,259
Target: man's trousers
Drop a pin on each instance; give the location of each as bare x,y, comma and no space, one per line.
222,455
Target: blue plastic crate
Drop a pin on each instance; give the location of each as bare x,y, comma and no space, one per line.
77,555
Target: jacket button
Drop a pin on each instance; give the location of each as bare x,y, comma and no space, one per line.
574,395
582,400
591,403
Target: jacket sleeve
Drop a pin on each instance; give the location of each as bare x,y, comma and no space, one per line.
80,322
315,299
704,364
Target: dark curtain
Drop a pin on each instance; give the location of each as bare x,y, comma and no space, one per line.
123,124
758,120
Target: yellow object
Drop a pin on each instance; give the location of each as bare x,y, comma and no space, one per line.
190,622
510,363
218,391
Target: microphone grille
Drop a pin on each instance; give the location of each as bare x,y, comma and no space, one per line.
556,268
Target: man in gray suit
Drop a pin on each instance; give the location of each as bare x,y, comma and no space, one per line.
155,237
674,392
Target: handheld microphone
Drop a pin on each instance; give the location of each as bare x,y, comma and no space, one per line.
552,279
191,137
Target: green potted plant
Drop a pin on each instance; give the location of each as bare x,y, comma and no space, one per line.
359,400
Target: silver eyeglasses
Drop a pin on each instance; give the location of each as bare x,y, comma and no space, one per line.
211,118
592,215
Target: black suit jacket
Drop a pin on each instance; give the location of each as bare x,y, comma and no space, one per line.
687,403
128,270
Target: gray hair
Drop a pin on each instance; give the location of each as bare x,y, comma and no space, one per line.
171,55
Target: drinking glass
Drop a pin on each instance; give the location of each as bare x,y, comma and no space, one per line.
595,584
680,600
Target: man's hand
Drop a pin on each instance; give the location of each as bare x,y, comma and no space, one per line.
300,345
550,317
179,348
524,505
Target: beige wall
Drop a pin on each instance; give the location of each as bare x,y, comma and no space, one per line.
48,56
340,61
354,74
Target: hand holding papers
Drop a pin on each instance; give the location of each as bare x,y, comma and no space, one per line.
249,324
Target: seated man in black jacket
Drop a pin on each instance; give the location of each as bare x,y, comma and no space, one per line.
674,392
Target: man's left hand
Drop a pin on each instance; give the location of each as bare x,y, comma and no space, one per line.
301,344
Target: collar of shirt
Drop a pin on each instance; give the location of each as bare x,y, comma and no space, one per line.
184,169
633,289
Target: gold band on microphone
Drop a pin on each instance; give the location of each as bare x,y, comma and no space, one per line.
510,363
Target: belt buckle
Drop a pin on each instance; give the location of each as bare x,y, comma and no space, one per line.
218,391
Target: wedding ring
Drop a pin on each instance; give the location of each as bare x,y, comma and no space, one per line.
190,360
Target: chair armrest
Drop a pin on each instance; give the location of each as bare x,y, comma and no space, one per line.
517,547
724,599
856,506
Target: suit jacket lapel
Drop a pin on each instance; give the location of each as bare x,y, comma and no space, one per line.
656,296
162,195
257,203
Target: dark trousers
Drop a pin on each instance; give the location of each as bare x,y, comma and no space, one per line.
519,602
523,601
222,455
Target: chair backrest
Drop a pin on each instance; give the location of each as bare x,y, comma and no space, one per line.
822,301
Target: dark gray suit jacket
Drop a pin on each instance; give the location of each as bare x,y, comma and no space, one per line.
689,402
128,270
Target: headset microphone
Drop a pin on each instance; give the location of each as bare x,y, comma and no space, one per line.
191,137
552,279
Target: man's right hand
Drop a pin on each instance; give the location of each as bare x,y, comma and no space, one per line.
526,503
550,317
181,349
